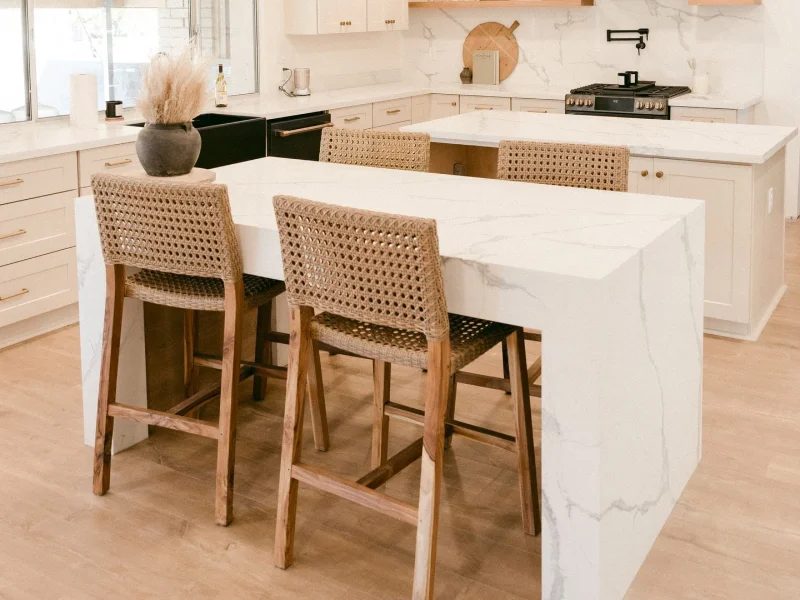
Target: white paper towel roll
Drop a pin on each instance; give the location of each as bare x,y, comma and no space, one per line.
83,101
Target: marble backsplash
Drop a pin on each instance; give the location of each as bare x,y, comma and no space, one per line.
566,48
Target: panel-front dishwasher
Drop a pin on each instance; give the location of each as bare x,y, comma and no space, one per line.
297,137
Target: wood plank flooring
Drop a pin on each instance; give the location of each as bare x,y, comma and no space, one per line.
735,534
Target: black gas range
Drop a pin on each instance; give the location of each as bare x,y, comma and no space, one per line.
643,100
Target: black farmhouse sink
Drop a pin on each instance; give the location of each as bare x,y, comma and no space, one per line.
229,139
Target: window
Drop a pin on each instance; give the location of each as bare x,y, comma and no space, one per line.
14,89
114,40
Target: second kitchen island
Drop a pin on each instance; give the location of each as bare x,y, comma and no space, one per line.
738,170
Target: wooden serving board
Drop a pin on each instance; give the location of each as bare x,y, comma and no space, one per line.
494,36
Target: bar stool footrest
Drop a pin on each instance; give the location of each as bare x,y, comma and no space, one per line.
164,419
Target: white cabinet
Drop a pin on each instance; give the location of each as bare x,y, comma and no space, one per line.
420,109
443,105
390,112
353,117
107,159
387,15
728,194
341,16
640,175
712,115
473,103
309,17
535,105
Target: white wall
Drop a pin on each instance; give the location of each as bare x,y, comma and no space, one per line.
336,61
781,104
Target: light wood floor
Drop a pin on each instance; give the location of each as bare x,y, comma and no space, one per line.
734,535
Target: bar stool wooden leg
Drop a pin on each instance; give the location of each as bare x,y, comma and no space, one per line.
190,371
381,378
228,402
505,363
263,352
104,433
299,344
451,412
526,457
431,477
316,399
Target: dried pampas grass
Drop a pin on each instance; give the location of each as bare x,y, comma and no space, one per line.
174,89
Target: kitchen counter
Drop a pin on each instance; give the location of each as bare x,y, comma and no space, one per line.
615,283
737,170
20,141
718,142
716,101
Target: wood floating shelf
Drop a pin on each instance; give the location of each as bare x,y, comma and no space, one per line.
498,3
724,2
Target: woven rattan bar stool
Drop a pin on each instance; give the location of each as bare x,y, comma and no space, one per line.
182,238
377,280
570,165
384,149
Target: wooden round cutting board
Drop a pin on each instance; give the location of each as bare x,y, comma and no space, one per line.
494,36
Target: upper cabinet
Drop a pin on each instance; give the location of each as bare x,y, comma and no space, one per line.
387,15
310,17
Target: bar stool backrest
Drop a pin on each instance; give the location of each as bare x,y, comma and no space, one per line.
374,267
384,149
180,228
571,165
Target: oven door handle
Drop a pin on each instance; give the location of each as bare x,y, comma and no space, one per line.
291,132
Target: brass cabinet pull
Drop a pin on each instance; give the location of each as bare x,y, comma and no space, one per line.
351,119
394,111
645,173
348,22
5,236
660,174
454,104
342,23
291,132
117,163
22,292
536,110
484,108
15,181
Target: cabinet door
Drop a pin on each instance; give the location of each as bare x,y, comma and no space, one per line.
726,190
443,105
341,16
640,175
387,15
703,115
420,109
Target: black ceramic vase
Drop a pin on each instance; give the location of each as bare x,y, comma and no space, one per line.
168,150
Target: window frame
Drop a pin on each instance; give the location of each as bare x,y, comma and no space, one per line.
29,55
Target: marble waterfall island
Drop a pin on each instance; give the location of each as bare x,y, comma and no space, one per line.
737,170
613,281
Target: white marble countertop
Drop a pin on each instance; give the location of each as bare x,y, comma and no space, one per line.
717,142
20,141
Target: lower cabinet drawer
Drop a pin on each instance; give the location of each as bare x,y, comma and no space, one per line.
473,103
393,111
38,177
108,159
38,285
31,228
354,117
392,127
535,105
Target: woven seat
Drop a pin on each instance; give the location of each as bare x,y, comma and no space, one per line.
469,339
197,293
383,149
570,165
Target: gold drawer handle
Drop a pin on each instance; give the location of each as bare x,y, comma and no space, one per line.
454,104
484,108
536,110
645,173
660,174
16,181
5,236
22,292
351,119
342,23
393,111
117,163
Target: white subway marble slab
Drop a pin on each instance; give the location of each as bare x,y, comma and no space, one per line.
615,283
717,142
